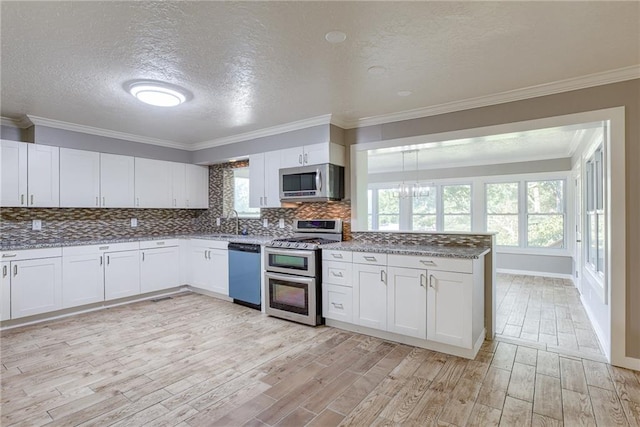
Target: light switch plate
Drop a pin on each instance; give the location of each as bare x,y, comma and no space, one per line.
217,222
37,225
265,222
281,223
134,222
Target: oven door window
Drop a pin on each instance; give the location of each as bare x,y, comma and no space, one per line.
294,262
289,296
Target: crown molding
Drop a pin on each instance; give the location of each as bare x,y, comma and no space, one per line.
57,124
583,82
274,130
22,123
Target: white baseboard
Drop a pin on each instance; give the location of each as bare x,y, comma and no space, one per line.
535,273
604,345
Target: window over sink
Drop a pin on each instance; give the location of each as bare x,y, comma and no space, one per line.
236,193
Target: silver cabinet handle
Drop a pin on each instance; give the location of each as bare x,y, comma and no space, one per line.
187,202
339,274
339,256
9,255
427,262
97,200
422,282
4,271
306,158
160,243
261,204
103,248
32,199
431,281
336,305
383,276
300,159
104,203
100,259
142,256
370,258
15,270
175,203
137,201
22,199
265,200
108,260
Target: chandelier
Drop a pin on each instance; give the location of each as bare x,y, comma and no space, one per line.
406,189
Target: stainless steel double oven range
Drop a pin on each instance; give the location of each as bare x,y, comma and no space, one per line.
293,271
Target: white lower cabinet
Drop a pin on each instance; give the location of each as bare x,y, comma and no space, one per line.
82,277
209,265
407,302
337,302
370,296
450,308
5,291
159,265
35,284
121,274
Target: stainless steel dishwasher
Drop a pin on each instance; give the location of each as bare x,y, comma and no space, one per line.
245,274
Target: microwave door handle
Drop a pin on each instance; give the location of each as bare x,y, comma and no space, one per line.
318,180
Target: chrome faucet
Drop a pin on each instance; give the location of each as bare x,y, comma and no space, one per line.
237,219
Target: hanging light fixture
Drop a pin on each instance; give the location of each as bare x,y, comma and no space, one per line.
419,190
404,189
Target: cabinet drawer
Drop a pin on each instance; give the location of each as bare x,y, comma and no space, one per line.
432,263
337,302
331,255
31,254
337,273
369,258
208,244
105,247
152,244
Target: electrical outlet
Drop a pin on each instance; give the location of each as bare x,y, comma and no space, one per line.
134,222
36,225
281,223
217,222
265,223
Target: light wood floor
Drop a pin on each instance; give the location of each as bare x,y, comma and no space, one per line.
197,361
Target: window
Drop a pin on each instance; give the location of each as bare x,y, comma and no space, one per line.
595,211
241,194
456,207
503,213
545,214
384,209
424,214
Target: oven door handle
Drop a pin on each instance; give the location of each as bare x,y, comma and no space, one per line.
292,252
289,278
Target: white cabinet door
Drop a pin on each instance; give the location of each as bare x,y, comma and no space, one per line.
407,302
152,183
291,157
79,178
449,308
36,286
219,281
5,291
159,268
117,177
337,302
256,180
82,279
13,174
197,186
43,176
178,185
199,267
370,296
121,274
271,179
316,154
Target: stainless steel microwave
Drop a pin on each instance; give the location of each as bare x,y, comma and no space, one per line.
314,183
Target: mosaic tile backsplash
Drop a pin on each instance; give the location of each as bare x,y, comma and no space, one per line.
434,239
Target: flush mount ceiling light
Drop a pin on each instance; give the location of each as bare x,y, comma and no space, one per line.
376,70
335,37
157,93
404,93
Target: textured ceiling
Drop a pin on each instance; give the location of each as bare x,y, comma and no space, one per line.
253,65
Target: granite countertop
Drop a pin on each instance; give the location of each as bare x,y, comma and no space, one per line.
424,250
56,243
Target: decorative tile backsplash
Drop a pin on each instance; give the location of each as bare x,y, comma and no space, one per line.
436,239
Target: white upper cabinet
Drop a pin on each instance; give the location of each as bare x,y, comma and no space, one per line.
13,170
197,186
178,185
43,176
79,178
153,183
314,154
117,177
264,177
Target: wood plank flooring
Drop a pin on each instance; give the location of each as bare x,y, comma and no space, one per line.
197,361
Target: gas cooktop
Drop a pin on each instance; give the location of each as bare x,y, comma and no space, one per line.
300,242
